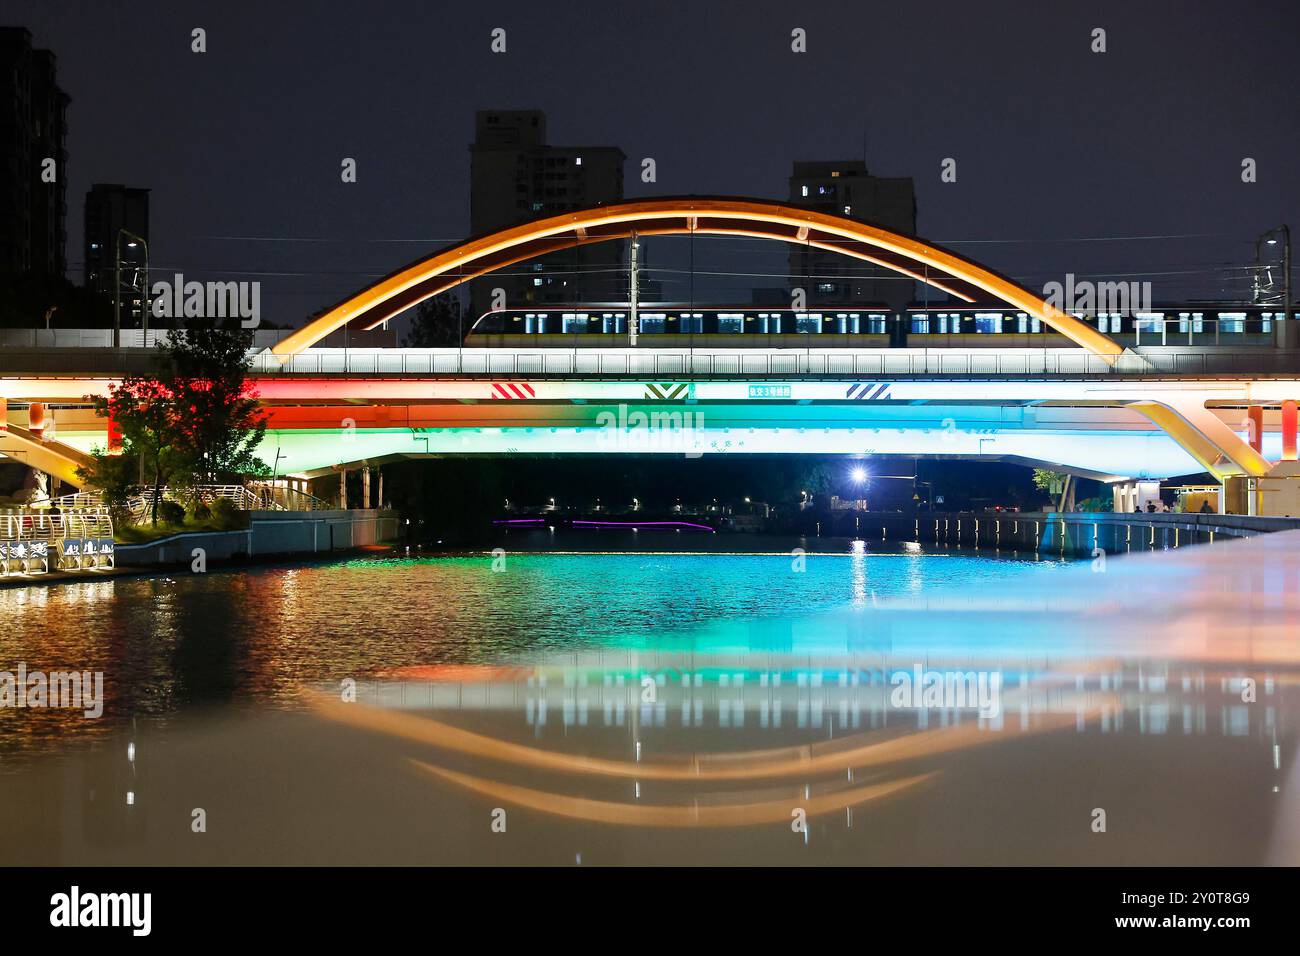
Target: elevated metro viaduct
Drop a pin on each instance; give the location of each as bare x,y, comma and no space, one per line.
1110,430
1126,426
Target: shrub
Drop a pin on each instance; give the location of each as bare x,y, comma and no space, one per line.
199,511
225,514
171,512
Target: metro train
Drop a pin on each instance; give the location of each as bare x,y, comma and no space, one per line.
684,326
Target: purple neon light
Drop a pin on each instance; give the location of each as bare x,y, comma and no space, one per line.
645,524
518,521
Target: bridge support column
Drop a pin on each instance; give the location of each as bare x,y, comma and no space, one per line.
380,502
365,486
1255,417
343,489
1289,431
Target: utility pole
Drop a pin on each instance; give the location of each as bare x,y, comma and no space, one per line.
632,319
117,301
1270,237
117,285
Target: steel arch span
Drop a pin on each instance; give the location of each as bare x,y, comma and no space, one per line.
754,218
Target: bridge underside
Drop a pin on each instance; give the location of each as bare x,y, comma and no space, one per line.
1099,442
1112,430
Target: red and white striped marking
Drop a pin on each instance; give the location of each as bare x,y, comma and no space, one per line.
513,390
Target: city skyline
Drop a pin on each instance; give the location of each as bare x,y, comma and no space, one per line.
268,203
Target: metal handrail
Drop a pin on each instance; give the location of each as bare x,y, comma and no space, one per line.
1149,363
253,496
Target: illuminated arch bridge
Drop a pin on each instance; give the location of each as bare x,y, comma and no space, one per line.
751,218
1123,426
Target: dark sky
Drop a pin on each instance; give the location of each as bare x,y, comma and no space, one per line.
1053,142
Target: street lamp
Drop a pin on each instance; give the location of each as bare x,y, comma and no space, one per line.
136,241
1271,238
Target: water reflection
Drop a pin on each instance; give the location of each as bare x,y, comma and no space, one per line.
914,708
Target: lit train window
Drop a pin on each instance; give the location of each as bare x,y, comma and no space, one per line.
1266,321
1026,323
921,324
1232,321
653,322
574,322
989,323
769,323
1152,321
731,322
691,322
808,322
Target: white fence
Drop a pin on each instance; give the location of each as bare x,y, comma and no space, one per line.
253,496
37,540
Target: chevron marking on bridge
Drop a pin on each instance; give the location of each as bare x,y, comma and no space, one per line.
666,392
513,390
867,391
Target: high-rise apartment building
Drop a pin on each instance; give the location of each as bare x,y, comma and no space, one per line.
110,209
847,189
515,176
33,180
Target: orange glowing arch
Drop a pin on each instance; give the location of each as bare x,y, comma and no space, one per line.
755,218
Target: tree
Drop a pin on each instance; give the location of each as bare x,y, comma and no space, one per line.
220,421
437,323
1049,481
145,412
115,476
197,421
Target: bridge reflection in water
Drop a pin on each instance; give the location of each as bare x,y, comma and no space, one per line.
1197,653
993,721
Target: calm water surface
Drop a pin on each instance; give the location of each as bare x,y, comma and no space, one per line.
646,708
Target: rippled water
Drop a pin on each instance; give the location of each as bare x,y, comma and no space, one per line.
665,708
258,635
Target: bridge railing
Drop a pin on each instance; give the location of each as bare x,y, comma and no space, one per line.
103,338
1155,362
254,496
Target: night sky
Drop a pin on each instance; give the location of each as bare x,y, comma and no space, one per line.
242,145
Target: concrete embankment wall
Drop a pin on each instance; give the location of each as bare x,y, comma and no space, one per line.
1073,533
270,534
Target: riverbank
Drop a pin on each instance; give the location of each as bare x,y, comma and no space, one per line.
274,537
271,536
